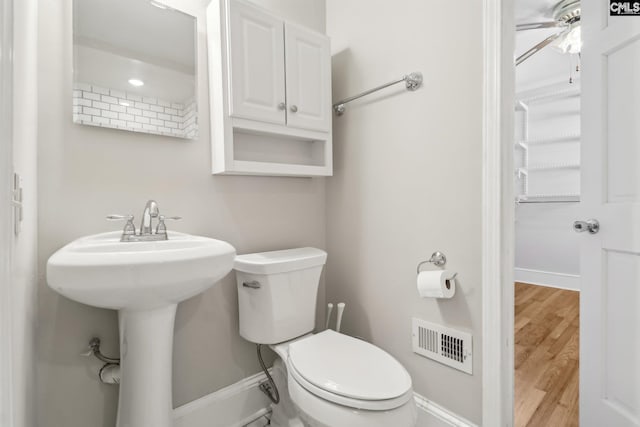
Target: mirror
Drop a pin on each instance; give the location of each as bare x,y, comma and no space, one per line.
134,67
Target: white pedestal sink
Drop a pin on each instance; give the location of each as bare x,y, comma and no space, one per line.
144,281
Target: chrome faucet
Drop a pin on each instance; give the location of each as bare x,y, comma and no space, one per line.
146,232
150,211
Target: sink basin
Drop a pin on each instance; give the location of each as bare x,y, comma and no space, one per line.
101,271
144,281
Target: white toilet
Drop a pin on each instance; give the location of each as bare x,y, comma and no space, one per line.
327,379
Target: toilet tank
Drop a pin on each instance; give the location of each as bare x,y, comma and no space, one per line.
277,293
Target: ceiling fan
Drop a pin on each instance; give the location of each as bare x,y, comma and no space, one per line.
566,18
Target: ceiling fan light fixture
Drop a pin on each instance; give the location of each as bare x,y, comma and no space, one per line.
571,40
566,15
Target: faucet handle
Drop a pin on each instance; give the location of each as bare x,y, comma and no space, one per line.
162,227
116,217
129,227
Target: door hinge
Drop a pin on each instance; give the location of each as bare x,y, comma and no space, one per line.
16,202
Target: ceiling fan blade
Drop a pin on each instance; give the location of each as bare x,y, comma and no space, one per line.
537,48
538,25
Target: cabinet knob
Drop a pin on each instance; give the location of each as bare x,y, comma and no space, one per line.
282,106
294,108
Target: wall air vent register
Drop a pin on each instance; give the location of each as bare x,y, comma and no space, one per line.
445,345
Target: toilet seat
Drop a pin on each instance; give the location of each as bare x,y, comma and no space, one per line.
349,372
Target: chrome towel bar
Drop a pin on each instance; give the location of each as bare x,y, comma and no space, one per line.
412,82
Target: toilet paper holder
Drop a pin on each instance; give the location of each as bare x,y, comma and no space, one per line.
438,259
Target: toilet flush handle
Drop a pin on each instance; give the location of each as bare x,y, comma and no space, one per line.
254,284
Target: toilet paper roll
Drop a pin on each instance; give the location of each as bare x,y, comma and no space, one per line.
436,284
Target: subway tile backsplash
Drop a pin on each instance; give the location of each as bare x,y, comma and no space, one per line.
98,106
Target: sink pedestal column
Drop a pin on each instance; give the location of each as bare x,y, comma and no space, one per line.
146,351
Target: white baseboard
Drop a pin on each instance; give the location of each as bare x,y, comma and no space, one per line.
233,406
241,403
548,278
430,414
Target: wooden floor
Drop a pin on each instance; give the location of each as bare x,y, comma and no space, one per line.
546,356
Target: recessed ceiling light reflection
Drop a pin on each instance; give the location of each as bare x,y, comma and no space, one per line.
136,82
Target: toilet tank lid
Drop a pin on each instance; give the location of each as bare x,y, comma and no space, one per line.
280,261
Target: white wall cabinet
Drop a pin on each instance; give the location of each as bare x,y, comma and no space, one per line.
270,92
308,80
257,64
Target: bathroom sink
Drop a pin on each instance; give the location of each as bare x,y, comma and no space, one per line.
144,281
102,271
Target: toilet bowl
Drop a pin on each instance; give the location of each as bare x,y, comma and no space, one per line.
326,379
335,380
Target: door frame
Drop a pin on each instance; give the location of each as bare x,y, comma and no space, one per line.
6,210
498,213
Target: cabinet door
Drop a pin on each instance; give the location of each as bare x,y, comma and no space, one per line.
308,79
257,64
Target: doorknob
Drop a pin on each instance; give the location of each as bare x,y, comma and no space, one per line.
591,225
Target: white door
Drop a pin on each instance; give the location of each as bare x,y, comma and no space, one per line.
257,64
308,79
6,213
610,259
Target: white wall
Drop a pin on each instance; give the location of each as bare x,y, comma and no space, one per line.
24,273
546,247
86,173
407,179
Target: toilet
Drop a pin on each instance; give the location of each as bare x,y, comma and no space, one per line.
325,379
